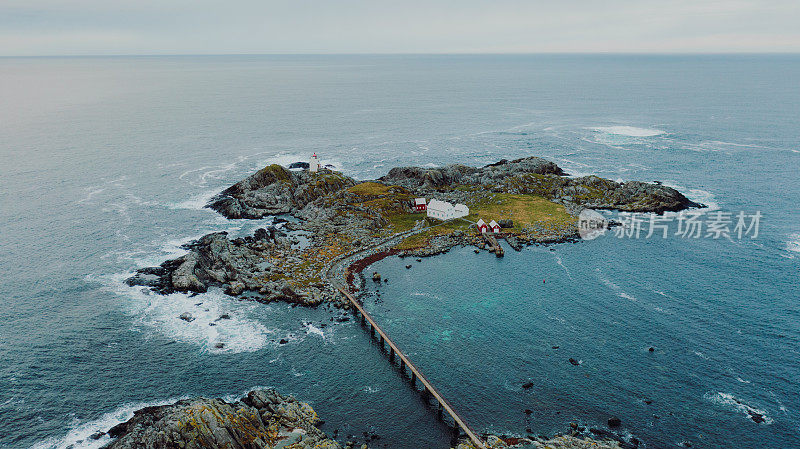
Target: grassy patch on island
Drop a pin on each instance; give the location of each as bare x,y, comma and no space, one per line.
524,210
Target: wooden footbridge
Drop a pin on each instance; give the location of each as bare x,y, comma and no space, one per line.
396,353
494,246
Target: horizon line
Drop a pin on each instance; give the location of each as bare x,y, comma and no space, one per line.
544,53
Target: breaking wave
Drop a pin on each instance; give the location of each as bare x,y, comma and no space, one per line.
629,131
731,402
218,323
80,436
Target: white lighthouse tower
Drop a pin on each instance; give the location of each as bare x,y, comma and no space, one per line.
313,165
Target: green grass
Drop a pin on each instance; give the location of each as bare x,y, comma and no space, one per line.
370,189
524,210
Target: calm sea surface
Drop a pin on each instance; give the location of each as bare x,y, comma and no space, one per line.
106,163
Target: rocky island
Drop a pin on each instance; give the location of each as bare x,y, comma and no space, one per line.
325,229
339,225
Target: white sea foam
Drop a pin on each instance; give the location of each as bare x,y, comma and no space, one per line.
240,333
79,436
314,330
630,131
730,401
793,244
701,196
197,202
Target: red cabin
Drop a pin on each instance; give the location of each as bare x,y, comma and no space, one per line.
482,226
420,205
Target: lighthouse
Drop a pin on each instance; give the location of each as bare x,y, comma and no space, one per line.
313,165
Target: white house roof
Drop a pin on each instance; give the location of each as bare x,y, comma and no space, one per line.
493,224
419,201
481,222
439,205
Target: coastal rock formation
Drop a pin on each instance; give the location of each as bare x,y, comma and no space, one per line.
263,419
237,266
454,174
537,176
275,190
558,442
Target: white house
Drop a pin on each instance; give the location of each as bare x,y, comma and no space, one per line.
494,227
443,210
313,165
460,210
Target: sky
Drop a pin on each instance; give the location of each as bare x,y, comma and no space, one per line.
122,27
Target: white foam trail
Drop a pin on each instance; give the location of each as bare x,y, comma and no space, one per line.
616,288
734,403
79,436
630,131
561,263
240,333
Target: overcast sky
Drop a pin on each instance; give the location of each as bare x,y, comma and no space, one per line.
87,27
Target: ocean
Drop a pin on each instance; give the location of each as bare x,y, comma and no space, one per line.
107,163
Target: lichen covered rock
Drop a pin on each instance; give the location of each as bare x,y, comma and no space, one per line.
263,419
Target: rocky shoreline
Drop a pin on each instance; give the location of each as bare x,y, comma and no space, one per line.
262,419
265,419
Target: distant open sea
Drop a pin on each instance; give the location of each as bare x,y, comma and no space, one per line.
107,162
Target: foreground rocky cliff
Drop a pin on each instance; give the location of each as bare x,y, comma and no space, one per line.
263,419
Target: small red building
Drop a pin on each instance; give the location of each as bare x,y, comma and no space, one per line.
494,227
420,205
482,226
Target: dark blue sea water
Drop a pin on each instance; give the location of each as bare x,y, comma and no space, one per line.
106,163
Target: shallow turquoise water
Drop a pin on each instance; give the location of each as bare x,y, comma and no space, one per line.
107,162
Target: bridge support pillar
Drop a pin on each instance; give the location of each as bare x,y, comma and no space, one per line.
391,354
440,411
413,378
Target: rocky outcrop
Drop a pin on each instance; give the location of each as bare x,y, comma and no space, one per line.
415,177
543,178
263,419
237,266
559,442
275,190
594,192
